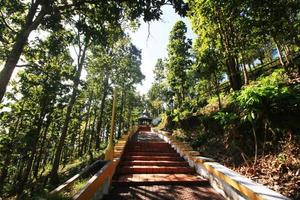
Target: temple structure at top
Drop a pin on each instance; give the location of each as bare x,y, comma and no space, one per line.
145,119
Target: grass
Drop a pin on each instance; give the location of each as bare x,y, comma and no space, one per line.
75,188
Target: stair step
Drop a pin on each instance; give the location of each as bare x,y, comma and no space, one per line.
160,179
135,169
164,149
129,150
155,163
142,153
152,148
150,144
153,158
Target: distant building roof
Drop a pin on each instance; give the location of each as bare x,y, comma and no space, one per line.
145,115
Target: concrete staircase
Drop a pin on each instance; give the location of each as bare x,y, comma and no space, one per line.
151,170
149,160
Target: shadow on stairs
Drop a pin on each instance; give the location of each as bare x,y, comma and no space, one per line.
150,169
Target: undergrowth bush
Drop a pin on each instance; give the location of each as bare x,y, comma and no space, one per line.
247,119
261,95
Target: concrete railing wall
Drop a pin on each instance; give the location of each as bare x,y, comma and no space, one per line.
227,182
99,184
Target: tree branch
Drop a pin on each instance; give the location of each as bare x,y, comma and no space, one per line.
6,24
24,65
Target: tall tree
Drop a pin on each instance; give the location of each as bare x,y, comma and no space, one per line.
157,92
40,84
215,22
20,18
179,62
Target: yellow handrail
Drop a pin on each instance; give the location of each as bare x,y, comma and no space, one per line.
99,184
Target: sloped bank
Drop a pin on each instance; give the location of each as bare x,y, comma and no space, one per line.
229,183
256,132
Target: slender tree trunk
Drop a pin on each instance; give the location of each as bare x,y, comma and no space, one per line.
44,164
8,155
234,73
261,57
250,68
78,149
286,54
218,90
64,130
245,73
84,138
100,118
280,54
255,144
128,123
75,132
261,60
20,166
44,137
120,119
92,128
231,63
31,23
107,132
38,122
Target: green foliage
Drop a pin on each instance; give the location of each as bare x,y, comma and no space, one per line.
225,118
180,135
262,94
49,92
200,139
35,109
179,62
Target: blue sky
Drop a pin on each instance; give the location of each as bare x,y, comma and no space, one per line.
156,46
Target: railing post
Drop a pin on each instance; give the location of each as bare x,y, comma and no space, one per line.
109,151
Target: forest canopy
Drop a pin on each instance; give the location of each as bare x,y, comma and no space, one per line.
61,60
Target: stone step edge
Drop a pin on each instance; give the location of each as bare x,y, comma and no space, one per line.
229,183
155,169
154,163
161,178
149,183
155,166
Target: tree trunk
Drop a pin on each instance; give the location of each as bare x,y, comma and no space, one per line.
32,146
120,119
92,128
84,137
250,68
73,139
64,130
102,106
233,73
245,73
287,54
261,60
227,41
218,90
20,42
44,137
8,155
280,56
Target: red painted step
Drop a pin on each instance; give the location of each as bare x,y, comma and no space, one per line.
149,161
160,179
137,169
150,144
155,163
142,153
170,150
153,158
149,166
